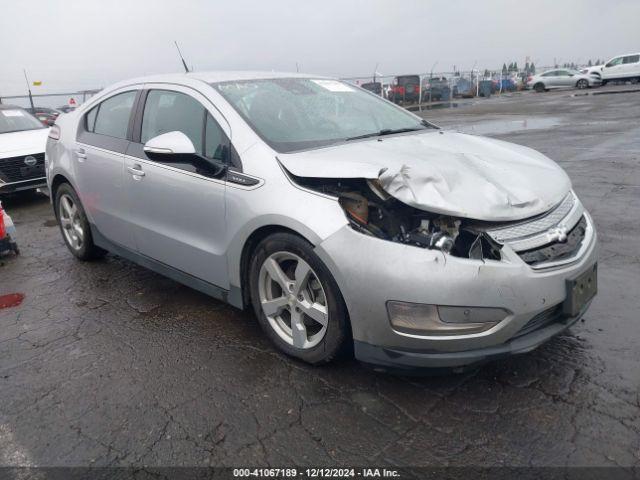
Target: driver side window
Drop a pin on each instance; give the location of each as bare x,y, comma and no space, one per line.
614,62
166,111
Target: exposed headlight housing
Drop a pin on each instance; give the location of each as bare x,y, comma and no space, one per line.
439,320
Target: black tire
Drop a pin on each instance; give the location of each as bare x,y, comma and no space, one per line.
582,84
88,250
337,339
539,87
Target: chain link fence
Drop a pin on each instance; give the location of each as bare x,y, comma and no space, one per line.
50,100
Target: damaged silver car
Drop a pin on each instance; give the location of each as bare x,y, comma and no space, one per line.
339,218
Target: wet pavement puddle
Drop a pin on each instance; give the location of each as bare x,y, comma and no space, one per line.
508,126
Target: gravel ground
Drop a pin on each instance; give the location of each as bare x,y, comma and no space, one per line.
108,364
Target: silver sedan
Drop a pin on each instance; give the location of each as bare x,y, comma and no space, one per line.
562,78
343,221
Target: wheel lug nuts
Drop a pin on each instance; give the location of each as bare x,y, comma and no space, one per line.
300,297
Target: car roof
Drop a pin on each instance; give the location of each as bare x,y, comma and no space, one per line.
194,77
221,76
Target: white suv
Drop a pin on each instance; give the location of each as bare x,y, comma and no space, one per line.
622,67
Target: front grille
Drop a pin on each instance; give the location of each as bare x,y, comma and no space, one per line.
557,250
544,318
536,225
14,169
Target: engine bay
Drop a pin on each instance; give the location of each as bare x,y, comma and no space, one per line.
372,211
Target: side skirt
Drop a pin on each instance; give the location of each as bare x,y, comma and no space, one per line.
163,269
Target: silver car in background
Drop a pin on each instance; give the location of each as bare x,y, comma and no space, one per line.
562,78
341,219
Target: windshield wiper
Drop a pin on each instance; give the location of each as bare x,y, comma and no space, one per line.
384,131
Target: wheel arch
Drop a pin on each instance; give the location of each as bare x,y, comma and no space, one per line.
57,180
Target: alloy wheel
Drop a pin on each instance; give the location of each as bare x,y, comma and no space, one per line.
293,300
71,222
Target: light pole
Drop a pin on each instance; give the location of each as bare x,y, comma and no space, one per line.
430,77
28,88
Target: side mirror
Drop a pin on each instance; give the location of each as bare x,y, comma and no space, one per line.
168,145
176,147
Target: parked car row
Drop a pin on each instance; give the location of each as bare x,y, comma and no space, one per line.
47,116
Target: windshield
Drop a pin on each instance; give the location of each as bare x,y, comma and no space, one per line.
301,113
16,120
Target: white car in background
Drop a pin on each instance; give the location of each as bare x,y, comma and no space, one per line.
23,139
622,68
561,78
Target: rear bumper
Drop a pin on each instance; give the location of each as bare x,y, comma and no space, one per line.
23,185
406,361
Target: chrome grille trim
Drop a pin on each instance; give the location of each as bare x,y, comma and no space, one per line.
551,219
586,244
528,235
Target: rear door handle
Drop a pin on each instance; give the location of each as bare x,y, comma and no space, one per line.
136,171
81,154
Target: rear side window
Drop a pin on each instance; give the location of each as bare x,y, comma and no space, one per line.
112,116
166,111
631,59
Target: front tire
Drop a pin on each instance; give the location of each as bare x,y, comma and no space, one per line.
539,87
582,84
74,226
296,300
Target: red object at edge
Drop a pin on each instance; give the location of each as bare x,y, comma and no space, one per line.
11,300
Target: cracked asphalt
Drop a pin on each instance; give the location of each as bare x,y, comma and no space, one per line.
108,364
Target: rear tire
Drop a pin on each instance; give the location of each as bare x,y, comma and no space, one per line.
287,280
74,226
539,87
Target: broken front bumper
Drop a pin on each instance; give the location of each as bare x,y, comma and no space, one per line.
371,272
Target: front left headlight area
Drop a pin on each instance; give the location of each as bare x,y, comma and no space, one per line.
371,211
440,320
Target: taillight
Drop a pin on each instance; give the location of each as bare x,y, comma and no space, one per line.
54,132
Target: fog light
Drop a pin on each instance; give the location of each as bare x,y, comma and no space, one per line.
424,319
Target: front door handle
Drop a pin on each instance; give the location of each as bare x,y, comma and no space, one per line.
136,171
81,155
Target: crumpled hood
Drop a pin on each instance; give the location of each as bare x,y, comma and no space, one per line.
25,142
445,172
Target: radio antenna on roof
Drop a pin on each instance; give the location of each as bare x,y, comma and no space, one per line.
184,64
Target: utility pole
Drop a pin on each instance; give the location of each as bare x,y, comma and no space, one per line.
297,68
430,76
28,88
184,64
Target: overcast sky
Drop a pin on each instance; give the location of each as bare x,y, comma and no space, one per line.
75,44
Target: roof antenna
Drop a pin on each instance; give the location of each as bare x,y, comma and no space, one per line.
184,64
